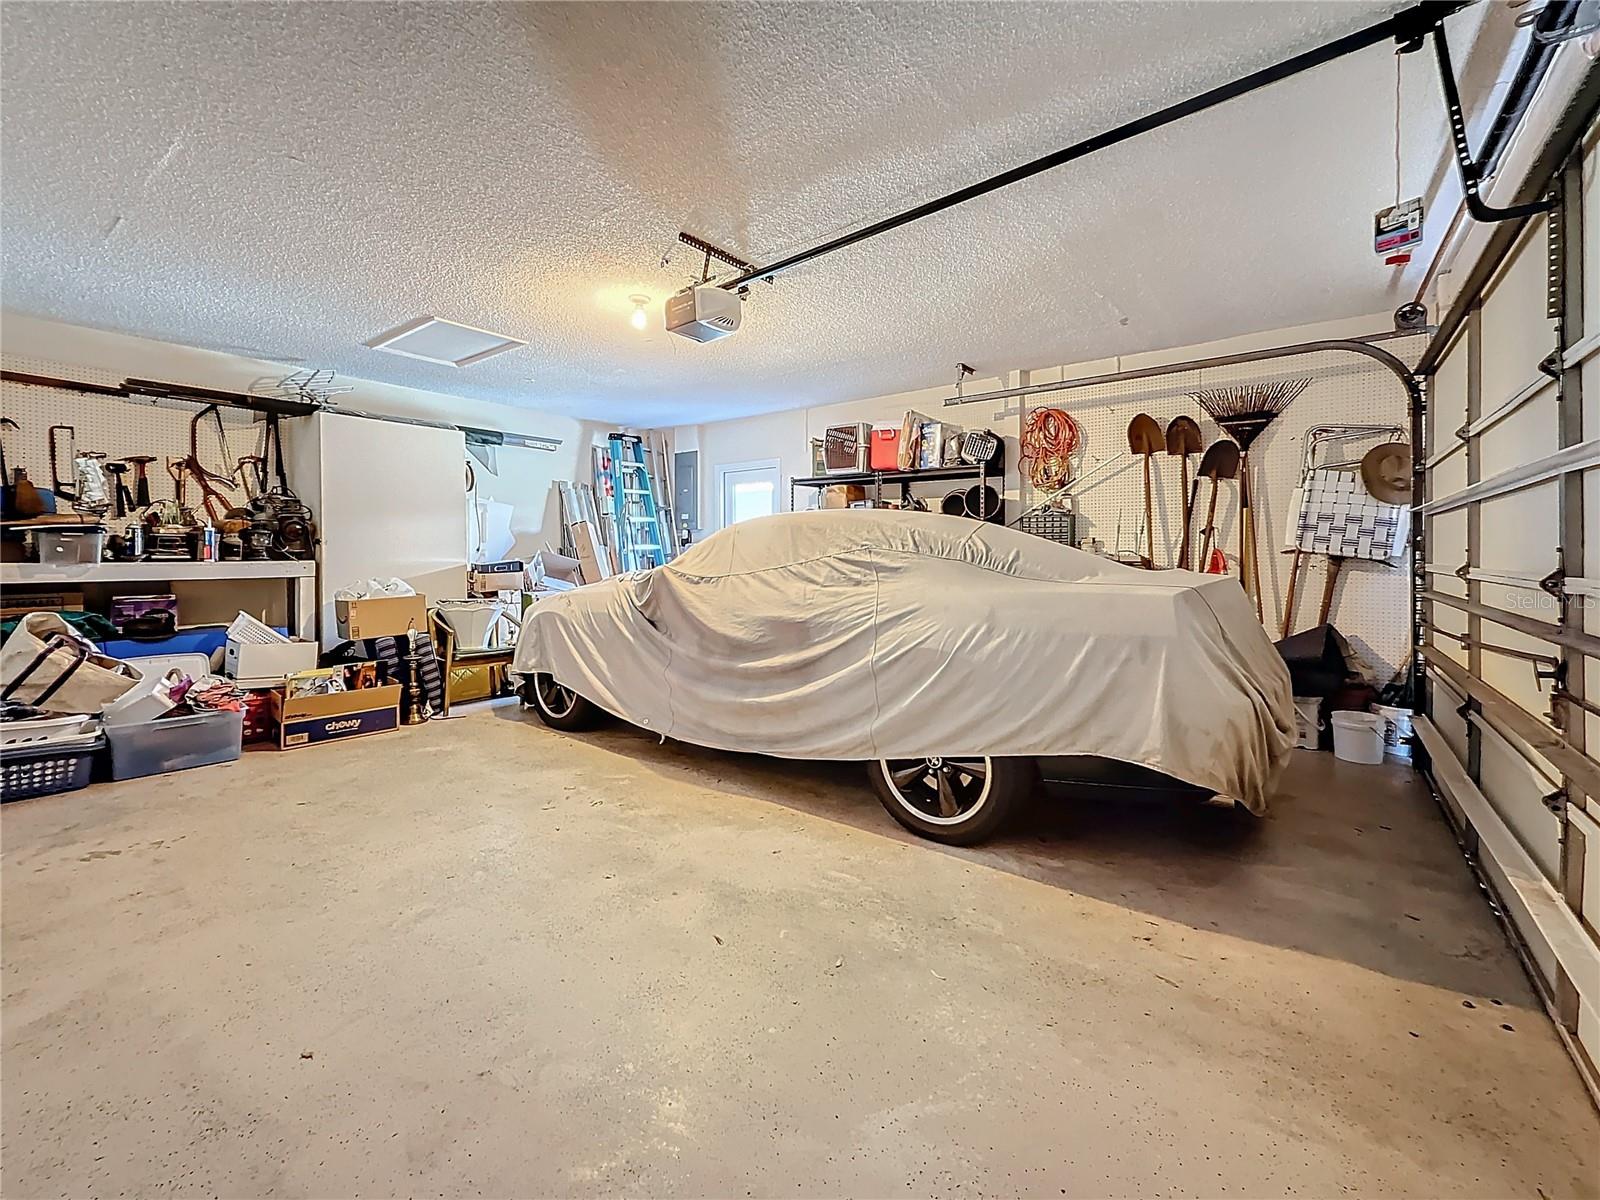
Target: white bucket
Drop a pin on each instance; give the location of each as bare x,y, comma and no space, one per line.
1397,730
1358,737
1308,722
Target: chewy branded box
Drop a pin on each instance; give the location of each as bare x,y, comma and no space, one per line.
382,616
314,719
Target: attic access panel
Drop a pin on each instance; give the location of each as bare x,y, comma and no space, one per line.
448,343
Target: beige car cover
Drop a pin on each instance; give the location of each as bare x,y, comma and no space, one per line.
861,634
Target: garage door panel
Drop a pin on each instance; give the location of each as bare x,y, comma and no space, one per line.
1528,433
1589,375
1516,333
1510,676
1517,792
1447,538
1591,544
1449,476
1445,701
1591,242
1447,398
1519,530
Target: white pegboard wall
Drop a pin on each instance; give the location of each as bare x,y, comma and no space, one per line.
1371,604
117,425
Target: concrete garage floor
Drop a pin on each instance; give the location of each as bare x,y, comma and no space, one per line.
484,958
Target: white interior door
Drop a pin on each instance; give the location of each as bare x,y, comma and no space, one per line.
748,490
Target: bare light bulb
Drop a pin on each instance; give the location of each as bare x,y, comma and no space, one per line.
639,320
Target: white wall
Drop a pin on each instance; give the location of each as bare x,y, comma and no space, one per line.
524,478
1371,599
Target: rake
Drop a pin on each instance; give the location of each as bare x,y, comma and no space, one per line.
1245,411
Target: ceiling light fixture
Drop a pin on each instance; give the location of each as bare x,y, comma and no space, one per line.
638,320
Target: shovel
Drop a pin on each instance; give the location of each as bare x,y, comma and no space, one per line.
1184,439
1145,437
1221,461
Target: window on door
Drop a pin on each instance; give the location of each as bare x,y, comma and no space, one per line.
748,490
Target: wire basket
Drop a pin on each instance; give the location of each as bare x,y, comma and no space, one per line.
45,770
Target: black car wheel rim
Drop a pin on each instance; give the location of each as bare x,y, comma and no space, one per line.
557,701
942,791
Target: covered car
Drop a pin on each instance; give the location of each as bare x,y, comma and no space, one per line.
942,650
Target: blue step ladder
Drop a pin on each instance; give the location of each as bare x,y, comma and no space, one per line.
641,539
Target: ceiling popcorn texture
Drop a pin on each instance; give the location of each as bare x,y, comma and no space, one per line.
299,178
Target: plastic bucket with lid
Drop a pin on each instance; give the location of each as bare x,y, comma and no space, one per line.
1358,736
1397,730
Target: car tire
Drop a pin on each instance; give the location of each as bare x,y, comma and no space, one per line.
559,707
956,801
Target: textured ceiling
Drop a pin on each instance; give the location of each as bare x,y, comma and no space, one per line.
289,180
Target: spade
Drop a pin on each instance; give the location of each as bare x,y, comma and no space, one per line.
1221,461
1183,439
1145,437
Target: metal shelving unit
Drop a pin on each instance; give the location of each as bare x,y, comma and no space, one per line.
983,473
299,577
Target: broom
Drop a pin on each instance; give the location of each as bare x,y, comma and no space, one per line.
1244,411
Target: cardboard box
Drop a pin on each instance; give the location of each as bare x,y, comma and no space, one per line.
261,664
846,495
311,720
42,602
593,558
498,581
381,616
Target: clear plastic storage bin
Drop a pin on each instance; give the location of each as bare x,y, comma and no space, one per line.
175,743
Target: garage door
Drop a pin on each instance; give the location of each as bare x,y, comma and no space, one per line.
1510,627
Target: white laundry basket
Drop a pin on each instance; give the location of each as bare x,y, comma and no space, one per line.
1358,736
471,620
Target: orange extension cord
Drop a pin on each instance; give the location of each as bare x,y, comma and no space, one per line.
1049,440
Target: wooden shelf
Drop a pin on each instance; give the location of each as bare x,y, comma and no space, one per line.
56,574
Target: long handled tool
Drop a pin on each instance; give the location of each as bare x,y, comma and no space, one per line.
1183,439
1245,411
1220,461
1326,609
1288,599
64,490
1145,437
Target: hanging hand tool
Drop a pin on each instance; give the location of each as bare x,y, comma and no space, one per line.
1334,565
252,474
63,490
119,471
1288,599
1220,461
216,504
141,478
1183,439
1249,566
1145,437
7,494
